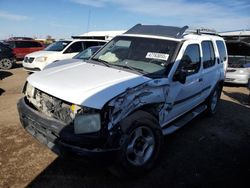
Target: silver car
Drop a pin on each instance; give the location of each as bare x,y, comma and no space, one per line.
238,70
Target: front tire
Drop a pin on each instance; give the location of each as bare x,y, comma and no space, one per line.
141,144
6,64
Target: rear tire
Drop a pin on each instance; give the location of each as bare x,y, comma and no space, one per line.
6,64
212,101
141,143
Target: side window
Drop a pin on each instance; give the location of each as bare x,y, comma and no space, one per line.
190,61
12,44
35,44
222,50
101,43
89,44
20,44
75,47
208,54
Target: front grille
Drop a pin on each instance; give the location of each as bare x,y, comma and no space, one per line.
51,106
29,59
231,70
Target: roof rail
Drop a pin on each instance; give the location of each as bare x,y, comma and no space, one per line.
159,30
202,31
20,38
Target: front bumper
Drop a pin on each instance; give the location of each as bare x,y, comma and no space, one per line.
58,136
34,66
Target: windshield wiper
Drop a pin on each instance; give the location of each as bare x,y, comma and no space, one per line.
131,68
102,61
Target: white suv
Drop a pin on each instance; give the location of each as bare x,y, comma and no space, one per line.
63,49
144,84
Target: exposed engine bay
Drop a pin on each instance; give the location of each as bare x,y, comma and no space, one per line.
49,105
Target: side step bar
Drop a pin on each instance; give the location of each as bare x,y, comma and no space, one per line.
177,124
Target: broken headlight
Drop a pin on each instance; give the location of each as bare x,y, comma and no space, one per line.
87,123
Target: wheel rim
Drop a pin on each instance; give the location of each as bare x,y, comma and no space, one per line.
6,63
214,100
140,146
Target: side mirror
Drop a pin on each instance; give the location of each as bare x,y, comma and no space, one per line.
180,76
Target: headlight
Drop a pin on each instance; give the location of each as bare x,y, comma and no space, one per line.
29,90
41,59
87,123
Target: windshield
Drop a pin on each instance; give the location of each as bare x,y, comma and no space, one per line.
146,55
87,53
238,54
57,46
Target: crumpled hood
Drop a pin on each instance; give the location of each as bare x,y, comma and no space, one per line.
42,53
85,84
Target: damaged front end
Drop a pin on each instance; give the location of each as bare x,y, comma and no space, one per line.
58,124
70,128
150,96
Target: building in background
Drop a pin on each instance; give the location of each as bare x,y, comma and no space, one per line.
102,35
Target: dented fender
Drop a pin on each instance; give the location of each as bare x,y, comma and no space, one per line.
152,92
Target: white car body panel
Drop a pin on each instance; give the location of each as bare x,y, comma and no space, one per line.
75,83
62,62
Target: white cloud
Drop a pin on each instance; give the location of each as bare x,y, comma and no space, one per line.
13,17
208,13
98,3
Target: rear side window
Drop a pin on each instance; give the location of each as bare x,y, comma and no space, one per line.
208,54
75,47
35,44
27,44
190,61
89,44
222,50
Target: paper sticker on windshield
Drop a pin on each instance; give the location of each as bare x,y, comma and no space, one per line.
155,55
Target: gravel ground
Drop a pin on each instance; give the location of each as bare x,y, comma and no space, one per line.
208,152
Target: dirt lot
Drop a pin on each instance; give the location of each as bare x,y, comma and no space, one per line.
209,152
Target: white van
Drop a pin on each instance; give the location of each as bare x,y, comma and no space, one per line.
63,49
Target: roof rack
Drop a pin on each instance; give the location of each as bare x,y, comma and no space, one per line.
20,38
168,31
202,31
159,30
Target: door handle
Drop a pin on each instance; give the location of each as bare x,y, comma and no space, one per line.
200,79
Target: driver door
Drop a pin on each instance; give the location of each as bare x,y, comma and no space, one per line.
185,96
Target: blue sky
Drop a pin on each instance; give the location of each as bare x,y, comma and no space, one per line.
64,18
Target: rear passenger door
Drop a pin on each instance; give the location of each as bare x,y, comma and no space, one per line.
210,72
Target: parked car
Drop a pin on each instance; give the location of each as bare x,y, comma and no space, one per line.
22,47
84,55
238,70
143,84
7,57
59,50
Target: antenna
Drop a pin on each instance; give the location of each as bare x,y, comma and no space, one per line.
89,15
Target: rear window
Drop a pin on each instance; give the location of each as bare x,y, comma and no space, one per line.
222,50
238,54
238,48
